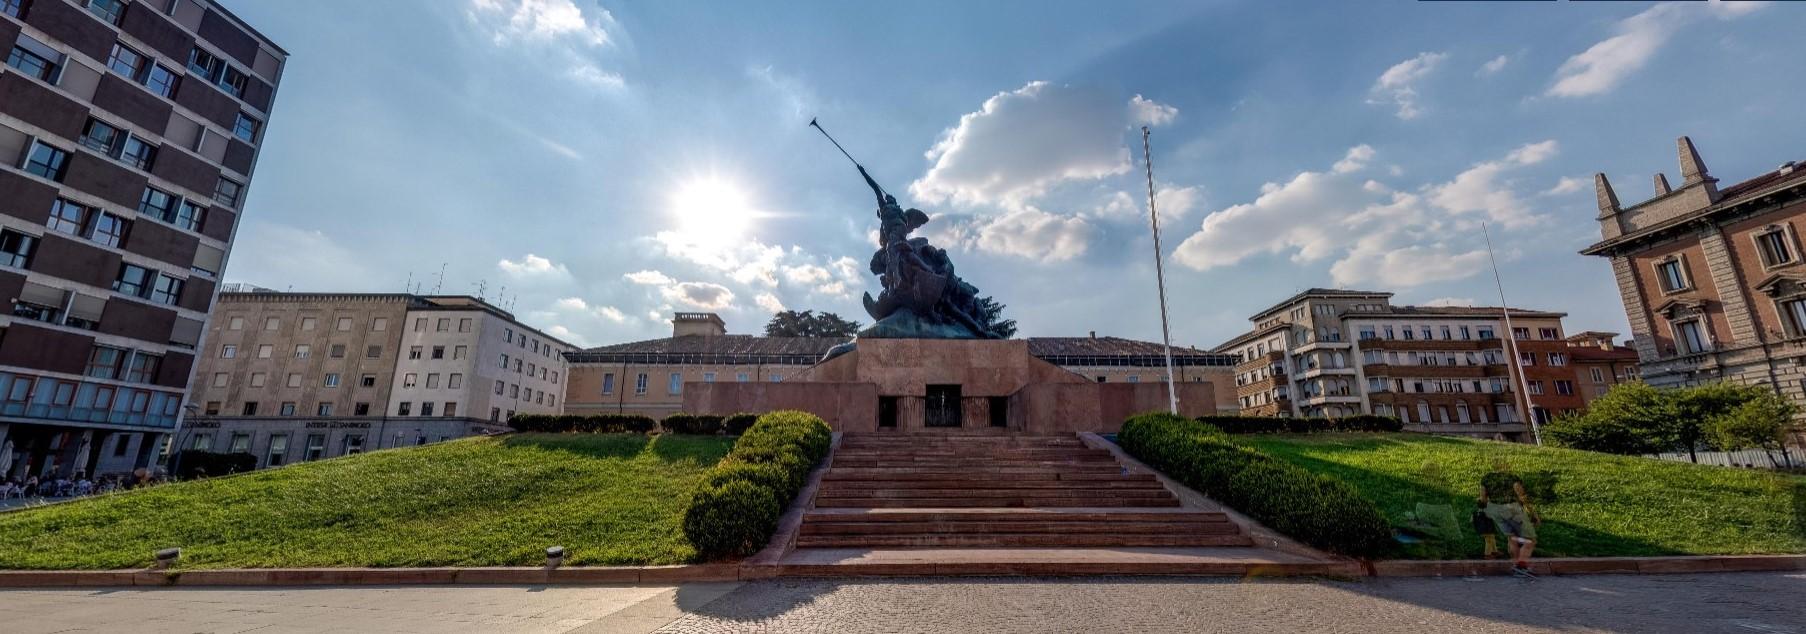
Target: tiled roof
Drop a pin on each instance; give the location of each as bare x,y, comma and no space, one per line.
1319,292
725,345
1455,311
1100,346
1589,353
757,349
1730,194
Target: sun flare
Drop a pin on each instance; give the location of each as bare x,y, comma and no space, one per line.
711,211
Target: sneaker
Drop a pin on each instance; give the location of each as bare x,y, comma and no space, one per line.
1523,572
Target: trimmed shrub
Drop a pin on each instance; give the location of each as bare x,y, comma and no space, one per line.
592,424
736,510
1319,511
702,424
1278,425
738,423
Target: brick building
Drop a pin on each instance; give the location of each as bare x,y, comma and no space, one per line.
1711,278
648,377
129,133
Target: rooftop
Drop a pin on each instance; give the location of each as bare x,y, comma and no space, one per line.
1456,311
249,293
1323,293
806,350
1790,175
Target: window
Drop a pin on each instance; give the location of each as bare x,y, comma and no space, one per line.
47,161
368,380
246,128
101,137
1485,332
104,362
133,280
108,11
220,379
1689,338
608,382
15,8
232,81
294,379
250,408
143,368
1520,333
507,335
1598,375
16,248
500,387
1526,359
167,290
451,408
1536,387
453,382
1672,275
373,352
161,80
228,351
272,323
1446,334
419,324
432,381
68,217
1466,333
1794,313
287,409
426,408
126,61
138,153
404,408
1772,243
309,323
332,379
354,444
157,203
459,352
360,409
227,192
464,325
265,351
1558,358
109,230
337,351
1548,333
708,377
1565,388
379,324
676,384
316,447
504,361
410,379
495,414
203,63
414,352
237,323
639,384
278,449
443,325
438,352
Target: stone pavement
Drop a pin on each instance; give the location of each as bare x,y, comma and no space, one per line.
1750,602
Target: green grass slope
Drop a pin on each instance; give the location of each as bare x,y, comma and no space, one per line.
610,499
1603,505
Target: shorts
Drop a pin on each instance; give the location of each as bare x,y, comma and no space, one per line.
1512,520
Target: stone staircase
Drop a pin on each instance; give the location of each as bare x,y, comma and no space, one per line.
988,491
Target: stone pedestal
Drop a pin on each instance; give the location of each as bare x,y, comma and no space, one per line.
849,391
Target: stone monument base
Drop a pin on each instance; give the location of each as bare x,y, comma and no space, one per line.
949,386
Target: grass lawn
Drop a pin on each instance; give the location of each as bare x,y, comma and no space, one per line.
1602,505
610,499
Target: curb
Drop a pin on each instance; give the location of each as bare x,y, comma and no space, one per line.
659,575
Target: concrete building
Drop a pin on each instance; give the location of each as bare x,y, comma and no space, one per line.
648,377
1443,369
302,376
1600,364
129,133
1711,277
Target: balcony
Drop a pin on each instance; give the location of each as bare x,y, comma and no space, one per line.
1311,373
1431,371
1275,358
1441,345
1324,344
1256,387
1343,397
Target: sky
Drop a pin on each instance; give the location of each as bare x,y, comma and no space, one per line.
596,166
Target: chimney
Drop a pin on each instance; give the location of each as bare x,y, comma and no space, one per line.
1661,184
1608,199
1094,334
703,324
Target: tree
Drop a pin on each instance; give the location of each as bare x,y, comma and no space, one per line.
1635,419
989,312
1758,423
1631,419
805,323
1697,407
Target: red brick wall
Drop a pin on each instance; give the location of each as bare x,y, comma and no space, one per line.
1703,287
1748,260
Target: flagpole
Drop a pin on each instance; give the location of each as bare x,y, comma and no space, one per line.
1166,336
1511,339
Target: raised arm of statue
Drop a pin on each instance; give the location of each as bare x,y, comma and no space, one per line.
876,190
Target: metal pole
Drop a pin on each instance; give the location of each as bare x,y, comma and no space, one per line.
1166,336
1511,339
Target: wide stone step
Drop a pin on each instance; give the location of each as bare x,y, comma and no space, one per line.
1013,528
837,475
1016,540
981,471
1089,501
1119,482
1128,515
904,493
972,451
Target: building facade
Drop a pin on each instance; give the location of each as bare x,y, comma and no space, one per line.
648,377
1443,369
301,376
129,133
1711,278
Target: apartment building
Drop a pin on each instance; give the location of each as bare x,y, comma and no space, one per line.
1711,278
301,376
129,133
1600,363
1443,369
648,377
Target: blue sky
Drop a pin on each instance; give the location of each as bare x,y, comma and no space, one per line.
607,163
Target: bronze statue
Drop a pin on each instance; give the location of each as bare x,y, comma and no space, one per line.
921,296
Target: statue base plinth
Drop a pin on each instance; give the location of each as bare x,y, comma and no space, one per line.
906,324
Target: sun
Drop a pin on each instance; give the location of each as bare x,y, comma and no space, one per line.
712,211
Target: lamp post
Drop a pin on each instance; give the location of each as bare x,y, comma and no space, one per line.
1166,336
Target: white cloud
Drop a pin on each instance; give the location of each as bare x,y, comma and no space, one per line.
1450,301
806,274
1493,66
533,266
769,302
653,278
1398,85
1144,111
1608,63
571,303
1022,142
1355,160
1036,235
1174,201
1479,189
612,314
593,76
1567,185
564,333
285,257
704,295
748,261
1371,232
543,20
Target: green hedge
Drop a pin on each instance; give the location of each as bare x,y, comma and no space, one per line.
701,424
1277,425
1313,509
738,423
735,511
591,424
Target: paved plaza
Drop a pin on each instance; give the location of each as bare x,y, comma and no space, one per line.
1755,602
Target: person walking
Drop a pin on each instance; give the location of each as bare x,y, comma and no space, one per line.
1509,506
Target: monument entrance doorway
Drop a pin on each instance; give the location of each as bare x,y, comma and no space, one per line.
941,408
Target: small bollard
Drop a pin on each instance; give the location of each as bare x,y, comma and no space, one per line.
166,558
554,556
